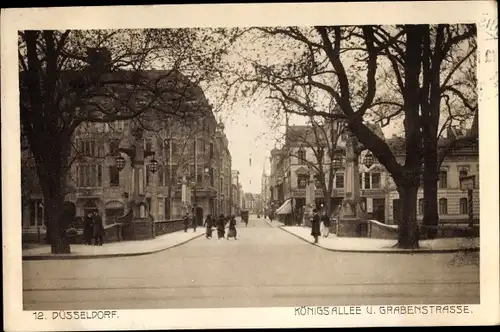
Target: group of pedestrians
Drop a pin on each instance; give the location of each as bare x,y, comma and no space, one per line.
93,229
317,220
220,224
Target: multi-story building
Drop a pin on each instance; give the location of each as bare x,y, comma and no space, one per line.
235,189
453,204
249,202
291,171
196,151
289,176
265,194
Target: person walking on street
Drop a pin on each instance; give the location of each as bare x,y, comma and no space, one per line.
326,224
88,229
98,229
193,220
209,224
315,226
232,228
186,222
221,227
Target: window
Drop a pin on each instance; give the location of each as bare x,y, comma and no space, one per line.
89,175
173,146
36,211
421,206
443,180
148,144
113,146
339,180
375,180
200,145
199,175
302,181
211,150
88,148
464,206
160,176
317,181
301,157
114,176
463,173
367,181
321,154
148,199
443,206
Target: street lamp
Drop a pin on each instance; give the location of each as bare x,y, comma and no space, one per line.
137,155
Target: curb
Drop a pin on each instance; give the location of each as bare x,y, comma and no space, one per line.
274,225
386,251
70,257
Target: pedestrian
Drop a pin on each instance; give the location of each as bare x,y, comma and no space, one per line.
209,225
221,227
186,222
315,226
326,224
98,229
232,228
193,220
88,228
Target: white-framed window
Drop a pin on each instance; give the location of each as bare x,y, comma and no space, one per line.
443,206
370,180
89,175
464,205
36,212
301,156
443,179
339,180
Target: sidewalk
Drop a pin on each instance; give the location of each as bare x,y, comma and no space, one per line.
275,223
350,244
115,249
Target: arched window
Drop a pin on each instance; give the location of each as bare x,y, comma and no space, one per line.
301,156
443,179
443,206
464,207
421,206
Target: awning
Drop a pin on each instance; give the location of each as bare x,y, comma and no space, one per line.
285,208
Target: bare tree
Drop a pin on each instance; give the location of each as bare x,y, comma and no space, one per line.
342,62
75,76
447,92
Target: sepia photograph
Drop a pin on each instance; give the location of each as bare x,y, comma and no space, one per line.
332,169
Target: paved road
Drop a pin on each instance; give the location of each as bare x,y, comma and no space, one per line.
264,267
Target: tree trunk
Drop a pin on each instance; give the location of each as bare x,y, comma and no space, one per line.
51,173
408,236
430,176
54,202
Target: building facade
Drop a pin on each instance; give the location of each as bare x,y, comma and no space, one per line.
453,204
290,175
194,152
236,192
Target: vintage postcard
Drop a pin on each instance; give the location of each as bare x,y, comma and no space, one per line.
250,166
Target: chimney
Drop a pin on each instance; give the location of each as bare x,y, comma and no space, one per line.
99,58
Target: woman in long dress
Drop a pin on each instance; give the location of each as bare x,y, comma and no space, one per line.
221,227
209,225
232,228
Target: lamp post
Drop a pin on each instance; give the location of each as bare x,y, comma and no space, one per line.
469,183
137,156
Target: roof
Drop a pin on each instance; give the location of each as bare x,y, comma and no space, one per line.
169,92
469,147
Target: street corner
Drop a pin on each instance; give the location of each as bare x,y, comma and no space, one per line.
121,249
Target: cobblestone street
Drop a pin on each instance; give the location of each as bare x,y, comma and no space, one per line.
266,266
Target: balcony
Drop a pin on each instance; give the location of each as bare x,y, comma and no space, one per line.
89,192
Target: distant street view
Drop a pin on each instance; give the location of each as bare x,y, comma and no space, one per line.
249,167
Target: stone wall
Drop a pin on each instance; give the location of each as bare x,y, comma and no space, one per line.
168,226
